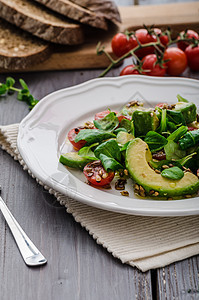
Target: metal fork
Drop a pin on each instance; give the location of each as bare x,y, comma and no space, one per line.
29,252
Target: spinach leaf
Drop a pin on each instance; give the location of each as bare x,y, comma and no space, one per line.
93,136
190,139
177,134
109,148
181,99
127,124
173,151
87,152
120,129
176,117
110,163
163,122
109,122
174,173
155,141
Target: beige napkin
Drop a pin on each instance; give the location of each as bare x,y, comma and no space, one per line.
144,242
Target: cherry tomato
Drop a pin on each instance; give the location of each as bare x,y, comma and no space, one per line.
129,70
122,43
192,53
144,37
189,35
97,175
163,37
102,114
152,67
72,135
121,117
162,104
177,61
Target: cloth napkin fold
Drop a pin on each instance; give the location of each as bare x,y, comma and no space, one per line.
144,242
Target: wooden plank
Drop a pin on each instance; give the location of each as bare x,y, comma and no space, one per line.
77,268
178,16
179,280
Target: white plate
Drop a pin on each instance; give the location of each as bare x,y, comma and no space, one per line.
42,137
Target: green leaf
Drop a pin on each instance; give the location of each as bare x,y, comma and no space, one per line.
10,82
155,141
93,136
174,173
3,89
23,84
110,163
119,129
109,148
127,124
163,122
176,117
181,99
190,139
173,150
177,134
87,152
109,122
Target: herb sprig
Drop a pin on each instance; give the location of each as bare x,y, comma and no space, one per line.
23,94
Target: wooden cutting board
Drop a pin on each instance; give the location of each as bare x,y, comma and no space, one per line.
178,16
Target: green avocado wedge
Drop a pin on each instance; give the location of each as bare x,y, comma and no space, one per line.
73,160
137,157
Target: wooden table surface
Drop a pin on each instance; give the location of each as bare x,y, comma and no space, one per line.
78,268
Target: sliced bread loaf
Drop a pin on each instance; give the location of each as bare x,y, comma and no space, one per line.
41,22
18,49
76,12
106,8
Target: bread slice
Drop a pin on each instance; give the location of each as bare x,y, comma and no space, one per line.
18,49
76,12
105,8
41,22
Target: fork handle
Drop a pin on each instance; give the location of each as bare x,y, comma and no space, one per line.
29,252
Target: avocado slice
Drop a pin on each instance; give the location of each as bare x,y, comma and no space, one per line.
188,109
73,160
137,157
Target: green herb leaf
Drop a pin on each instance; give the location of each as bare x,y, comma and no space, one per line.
174,173
3,89
10,82
109,148
23,84
93,136
176,117
110,163
109,122
181,99
177,134
173,151
155,141
87,152
190,139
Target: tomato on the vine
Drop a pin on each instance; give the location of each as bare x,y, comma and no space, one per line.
152,66
145,37
122,43
102,114
189,34
163,37
72,135
129,70
177,61
97,175
192,53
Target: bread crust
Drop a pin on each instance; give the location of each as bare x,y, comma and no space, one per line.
40,22
76,12
19,50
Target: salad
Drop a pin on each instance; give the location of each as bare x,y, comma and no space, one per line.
158,148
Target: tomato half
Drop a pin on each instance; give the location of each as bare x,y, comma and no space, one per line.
122,43
72,135
192,53
129,70
97,175
177,61
189,34
102,114
152,67
144,37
